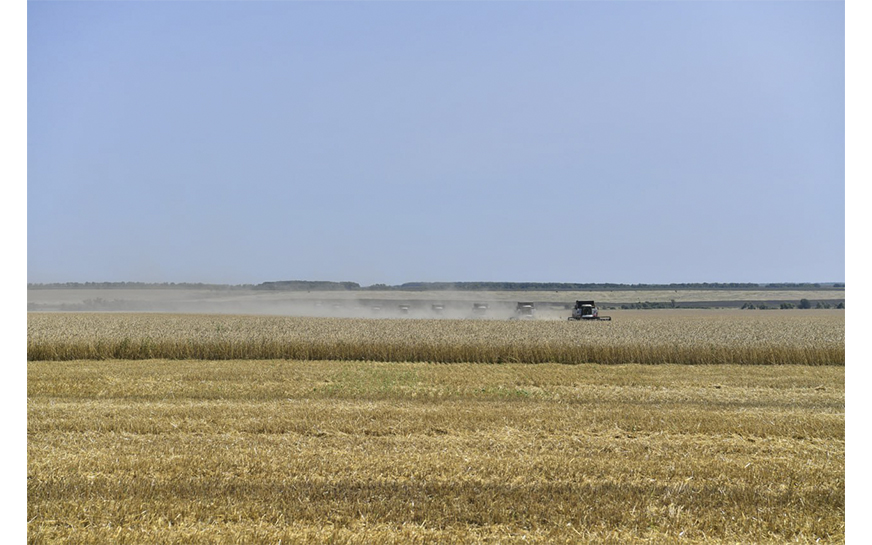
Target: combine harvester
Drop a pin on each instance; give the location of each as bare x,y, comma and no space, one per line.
524,311
586,310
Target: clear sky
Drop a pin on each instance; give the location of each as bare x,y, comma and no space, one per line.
390,142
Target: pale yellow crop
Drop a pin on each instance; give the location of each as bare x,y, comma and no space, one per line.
776,337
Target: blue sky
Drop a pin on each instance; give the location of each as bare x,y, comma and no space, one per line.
388,142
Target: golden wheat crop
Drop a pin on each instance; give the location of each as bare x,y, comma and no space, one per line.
810,338
279,451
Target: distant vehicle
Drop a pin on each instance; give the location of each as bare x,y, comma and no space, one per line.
524,311
479,309
437,308
586,310
404,309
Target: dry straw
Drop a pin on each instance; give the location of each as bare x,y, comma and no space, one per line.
283,451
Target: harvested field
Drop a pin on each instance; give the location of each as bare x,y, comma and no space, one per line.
269,451
652,337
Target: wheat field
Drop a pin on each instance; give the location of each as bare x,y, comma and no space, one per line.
702,337
217,441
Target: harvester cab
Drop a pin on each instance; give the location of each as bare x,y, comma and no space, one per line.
524,311
586,310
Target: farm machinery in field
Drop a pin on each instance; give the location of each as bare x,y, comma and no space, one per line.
523,311
479,309
586,310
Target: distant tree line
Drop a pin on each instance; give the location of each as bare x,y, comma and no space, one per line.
790,285
567,286
560,286
308,285
135,286
319,285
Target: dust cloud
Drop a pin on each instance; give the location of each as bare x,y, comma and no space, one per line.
336,304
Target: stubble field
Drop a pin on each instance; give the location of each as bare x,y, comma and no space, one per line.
186,449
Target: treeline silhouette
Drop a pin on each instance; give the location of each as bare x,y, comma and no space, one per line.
319,285
136,286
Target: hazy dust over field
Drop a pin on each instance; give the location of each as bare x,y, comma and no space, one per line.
387,304
365,452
